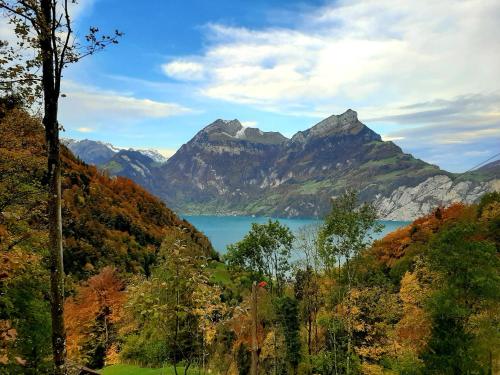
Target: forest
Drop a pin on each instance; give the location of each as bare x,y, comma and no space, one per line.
145,288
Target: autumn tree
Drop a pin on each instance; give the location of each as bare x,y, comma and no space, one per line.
347,231
307,282
92,315
175,312
45,28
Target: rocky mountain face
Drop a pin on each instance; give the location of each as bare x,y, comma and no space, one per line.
230,169
409,202
138,165
91,152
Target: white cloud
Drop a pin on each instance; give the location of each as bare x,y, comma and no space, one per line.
184,70
377,57
389,138
477,153
83,105
84,129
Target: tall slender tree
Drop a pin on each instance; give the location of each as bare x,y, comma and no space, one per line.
45,28
348,229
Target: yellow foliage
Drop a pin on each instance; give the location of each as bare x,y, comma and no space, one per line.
372,369
491,211
414,328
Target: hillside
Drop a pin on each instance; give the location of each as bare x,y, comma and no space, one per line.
106,220
108,223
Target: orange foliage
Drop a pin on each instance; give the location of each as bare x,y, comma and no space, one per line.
102,294
395,244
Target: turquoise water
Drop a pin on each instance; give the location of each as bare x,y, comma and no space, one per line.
225,230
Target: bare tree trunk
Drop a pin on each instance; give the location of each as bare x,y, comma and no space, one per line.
51,95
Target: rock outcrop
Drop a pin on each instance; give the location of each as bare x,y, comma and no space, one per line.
409,202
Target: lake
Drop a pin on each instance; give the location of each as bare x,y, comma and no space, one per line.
224,230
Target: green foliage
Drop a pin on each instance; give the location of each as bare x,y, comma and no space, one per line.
123,369
23,302
471,269
332,359
488,199
264,251
175,311
243,359
348,229
288,316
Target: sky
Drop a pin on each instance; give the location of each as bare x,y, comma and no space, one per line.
423,74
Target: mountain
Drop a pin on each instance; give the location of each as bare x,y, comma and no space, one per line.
91,152
136,164
229,169
489,170
100,153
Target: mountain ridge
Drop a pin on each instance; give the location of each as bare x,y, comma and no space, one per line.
227,168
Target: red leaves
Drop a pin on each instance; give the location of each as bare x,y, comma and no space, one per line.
262,284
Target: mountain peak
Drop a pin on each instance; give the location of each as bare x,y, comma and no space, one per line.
346,123
230,127
233,130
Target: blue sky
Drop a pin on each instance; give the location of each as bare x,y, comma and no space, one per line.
423,74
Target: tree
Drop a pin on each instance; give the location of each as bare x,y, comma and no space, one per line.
346,231
307,282
45,27
288,315
175,311
264,251
469,286
91,317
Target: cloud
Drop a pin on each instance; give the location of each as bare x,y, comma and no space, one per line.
389,138
477,108
85,130
467,119
401,51
83,105
184,70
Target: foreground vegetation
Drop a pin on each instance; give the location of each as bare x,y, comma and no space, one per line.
135,370
145,287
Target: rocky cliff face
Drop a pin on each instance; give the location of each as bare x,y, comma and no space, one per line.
409,202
